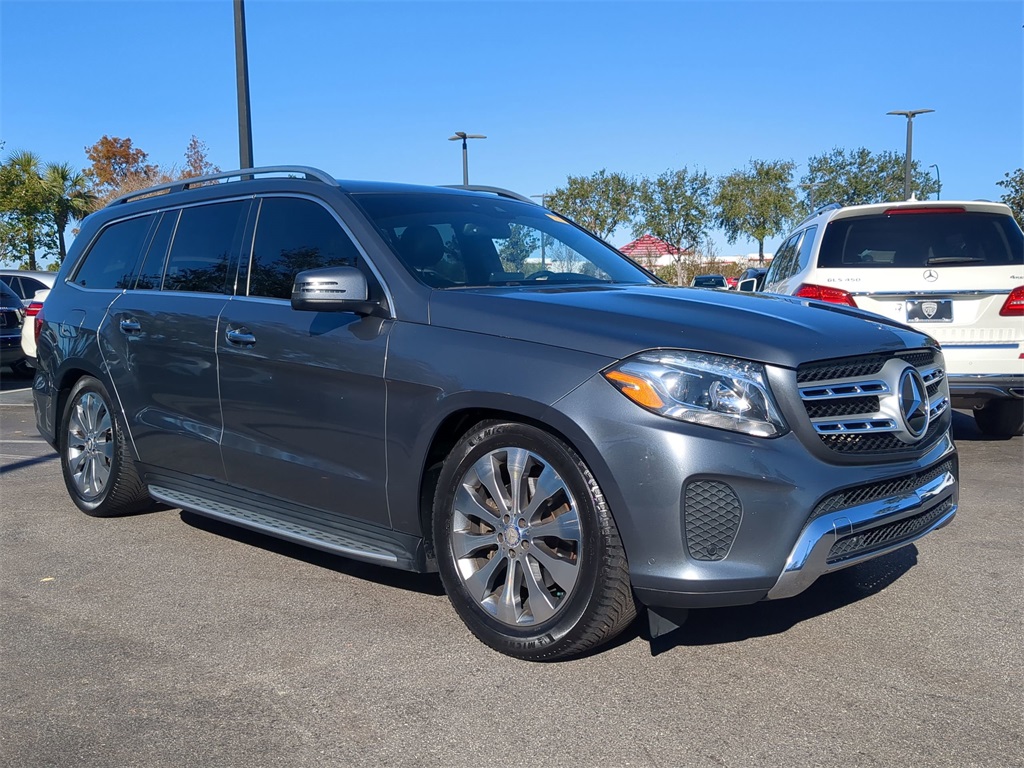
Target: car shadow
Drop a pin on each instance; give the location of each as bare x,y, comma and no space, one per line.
424,583
720,626
965,428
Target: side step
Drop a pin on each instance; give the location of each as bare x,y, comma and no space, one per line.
291,527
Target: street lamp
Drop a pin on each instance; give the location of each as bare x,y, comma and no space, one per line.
543,237
462,136
938,181
909,114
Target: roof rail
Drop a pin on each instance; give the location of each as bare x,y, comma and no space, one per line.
245,174
493,190
818,212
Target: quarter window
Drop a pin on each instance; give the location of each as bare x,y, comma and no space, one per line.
110,263
293,235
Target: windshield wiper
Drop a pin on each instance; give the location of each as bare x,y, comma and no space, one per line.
954,260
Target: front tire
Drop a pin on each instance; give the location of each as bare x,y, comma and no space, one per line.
526,546
97,465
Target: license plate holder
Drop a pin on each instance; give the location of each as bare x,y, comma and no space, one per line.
930,311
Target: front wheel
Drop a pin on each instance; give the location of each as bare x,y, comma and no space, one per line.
97,465
526,546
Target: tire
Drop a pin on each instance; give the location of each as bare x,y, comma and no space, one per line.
1001,418
22,369
535,569
97,465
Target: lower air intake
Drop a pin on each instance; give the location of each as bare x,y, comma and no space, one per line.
711,518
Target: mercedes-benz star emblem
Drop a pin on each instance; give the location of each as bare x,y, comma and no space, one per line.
914,402
931,275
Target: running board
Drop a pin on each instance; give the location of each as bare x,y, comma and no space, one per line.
335,541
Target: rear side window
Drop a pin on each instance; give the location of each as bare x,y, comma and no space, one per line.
110,263
922,239
206,239
293,235
152,272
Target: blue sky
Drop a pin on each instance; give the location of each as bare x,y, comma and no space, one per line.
374,89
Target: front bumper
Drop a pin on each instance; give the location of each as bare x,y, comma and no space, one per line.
788,508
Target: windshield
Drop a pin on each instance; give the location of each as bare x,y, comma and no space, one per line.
461,241
922,239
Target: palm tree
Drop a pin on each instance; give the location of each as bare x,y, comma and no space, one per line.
25,198
72,200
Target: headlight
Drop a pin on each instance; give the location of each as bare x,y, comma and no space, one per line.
715,391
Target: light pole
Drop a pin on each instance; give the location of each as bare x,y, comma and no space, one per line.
810,186
242,81
938,181
909,114
462,136
543,237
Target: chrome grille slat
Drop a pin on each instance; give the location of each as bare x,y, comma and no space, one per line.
853,403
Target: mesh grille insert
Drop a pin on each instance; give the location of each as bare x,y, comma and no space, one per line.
862,494
885,535
711,516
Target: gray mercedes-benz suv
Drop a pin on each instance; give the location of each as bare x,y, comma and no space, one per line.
460,380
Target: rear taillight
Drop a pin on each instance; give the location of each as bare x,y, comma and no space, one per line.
1014,304
33,309
38,323
824,293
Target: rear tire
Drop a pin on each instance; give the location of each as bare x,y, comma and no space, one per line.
97,465
526,546
1001,418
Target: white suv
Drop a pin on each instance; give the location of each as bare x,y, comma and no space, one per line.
952,269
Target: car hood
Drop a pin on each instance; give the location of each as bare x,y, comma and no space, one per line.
620,320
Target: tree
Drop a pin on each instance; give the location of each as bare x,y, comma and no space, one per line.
757,202
25,208
70,199
196,162
600,202
518,247
117,168
860,177
1013,183
676,207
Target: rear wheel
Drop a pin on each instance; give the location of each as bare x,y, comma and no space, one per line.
527,549
98,468
1001,418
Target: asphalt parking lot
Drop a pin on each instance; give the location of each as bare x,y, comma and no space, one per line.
165,639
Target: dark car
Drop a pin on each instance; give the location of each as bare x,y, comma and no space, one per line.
463,381
12,315
751,273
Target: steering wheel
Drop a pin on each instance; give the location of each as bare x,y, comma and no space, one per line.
542,274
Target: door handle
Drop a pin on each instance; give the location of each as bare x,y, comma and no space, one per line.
240,337
130,325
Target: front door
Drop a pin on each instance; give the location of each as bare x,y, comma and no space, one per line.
302,393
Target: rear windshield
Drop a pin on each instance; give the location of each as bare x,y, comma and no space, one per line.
949,239
708,282
462,241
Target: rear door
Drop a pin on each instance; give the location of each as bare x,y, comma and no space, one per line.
159,338
303,393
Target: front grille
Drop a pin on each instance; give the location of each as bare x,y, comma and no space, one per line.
711,516
854,403
896,486
887,535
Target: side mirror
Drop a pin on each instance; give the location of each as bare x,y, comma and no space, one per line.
749,285
332,289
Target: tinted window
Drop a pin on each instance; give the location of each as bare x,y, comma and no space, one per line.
784,261
804,258
456,240
925,239
205,240
293,235
111,261
152,272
